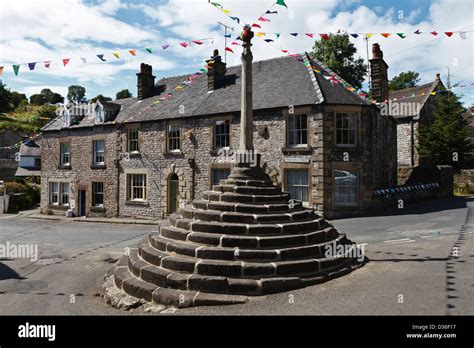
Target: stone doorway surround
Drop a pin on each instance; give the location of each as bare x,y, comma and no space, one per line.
165,187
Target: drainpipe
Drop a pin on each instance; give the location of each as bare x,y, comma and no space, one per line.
192,163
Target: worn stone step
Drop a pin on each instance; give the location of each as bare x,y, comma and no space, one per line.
182,299
250,190
245,198
152,253
245,208
248,182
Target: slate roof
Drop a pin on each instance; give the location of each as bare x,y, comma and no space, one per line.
419,94
30,149
277,82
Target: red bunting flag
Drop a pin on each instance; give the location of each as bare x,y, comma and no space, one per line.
309,34
385,35
234,43
229,50
284,51
1,70
262,19
66,61
47,64
449,33
256,25
197,42
132,52
184,44
324,36
434,33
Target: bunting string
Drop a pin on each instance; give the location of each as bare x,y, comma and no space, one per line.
115,55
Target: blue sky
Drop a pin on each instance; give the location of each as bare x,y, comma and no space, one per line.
39,30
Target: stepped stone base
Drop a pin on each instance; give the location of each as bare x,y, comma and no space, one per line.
244,238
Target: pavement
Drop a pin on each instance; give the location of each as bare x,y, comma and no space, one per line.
413,267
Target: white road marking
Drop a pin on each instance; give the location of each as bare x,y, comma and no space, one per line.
398,241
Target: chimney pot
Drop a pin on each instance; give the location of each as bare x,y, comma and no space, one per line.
216,71
438,76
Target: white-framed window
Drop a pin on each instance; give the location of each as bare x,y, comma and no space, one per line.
296,184
99,152
133,140
297,130
136,187
97,194
174,137
54,193
99,115
346,187
58,193
219,174
221,134
65,154
346,129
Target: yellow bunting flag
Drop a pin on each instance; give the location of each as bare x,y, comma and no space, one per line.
433,93
117,55
226,11
260,34
369,35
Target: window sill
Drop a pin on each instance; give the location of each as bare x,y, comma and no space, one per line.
138,203
173,153
98,166
134,154
222,150
69,167
59,207
303,149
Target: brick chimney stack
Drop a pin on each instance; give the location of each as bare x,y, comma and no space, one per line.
216,71
378,73
145,82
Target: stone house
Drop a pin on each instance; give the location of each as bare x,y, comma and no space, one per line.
29,164
9,156
412,107
149,156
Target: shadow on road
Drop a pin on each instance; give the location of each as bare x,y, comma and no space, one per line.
8,273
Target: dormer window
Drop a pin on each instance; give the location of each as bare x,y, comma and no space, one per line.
66,117
99,114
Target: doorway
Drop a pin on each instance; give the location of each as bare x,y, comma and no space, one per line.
173,192
82,203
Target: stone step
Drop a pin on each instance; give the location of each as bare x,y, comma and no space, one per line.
182,299
245,198
247,208
249,190
248,182
243,218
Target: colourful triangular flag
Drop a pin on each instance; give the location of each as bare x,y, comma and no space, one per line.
433,93
259,34
324,36
463,35
101,57
268,40
1,70
16,69
32,66
66,61
434,33
262,19
355,36
277,35
294,34
226,11
84,60
309,34
402,35
281,2
449,33
229,50
417,31
184,44
132,52
369,35
284,51
116,54
216,4
227,36
234,43
237,19
149,50
255,25
197,42
271,12
166,46
385,35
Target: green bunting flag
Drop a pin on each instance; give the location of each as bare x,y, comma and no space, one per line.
149,50
277,35
281,2
16,69
402,35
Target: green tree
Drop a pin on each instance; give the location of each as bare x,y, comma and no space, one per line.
404,80
101,98
446,139
46,96
123,94
5,98
76,94
16,99
337,53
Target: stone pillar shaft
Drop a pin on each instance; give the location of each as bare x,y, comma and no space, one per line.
246,113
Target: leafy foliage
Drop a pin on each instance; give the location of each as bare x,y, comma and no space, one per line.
46,96
76,94
123,94
338,54
100,98
404,80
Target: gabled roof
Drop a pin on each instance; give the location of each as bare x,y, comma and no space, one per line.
418,94
277,83
30,149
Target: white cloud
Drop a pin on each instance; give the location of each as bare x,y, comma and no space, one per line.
111,6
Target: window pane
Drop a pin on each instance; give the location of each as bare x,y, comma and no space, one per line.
222,133
297,184
65,193
297,130
346,186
